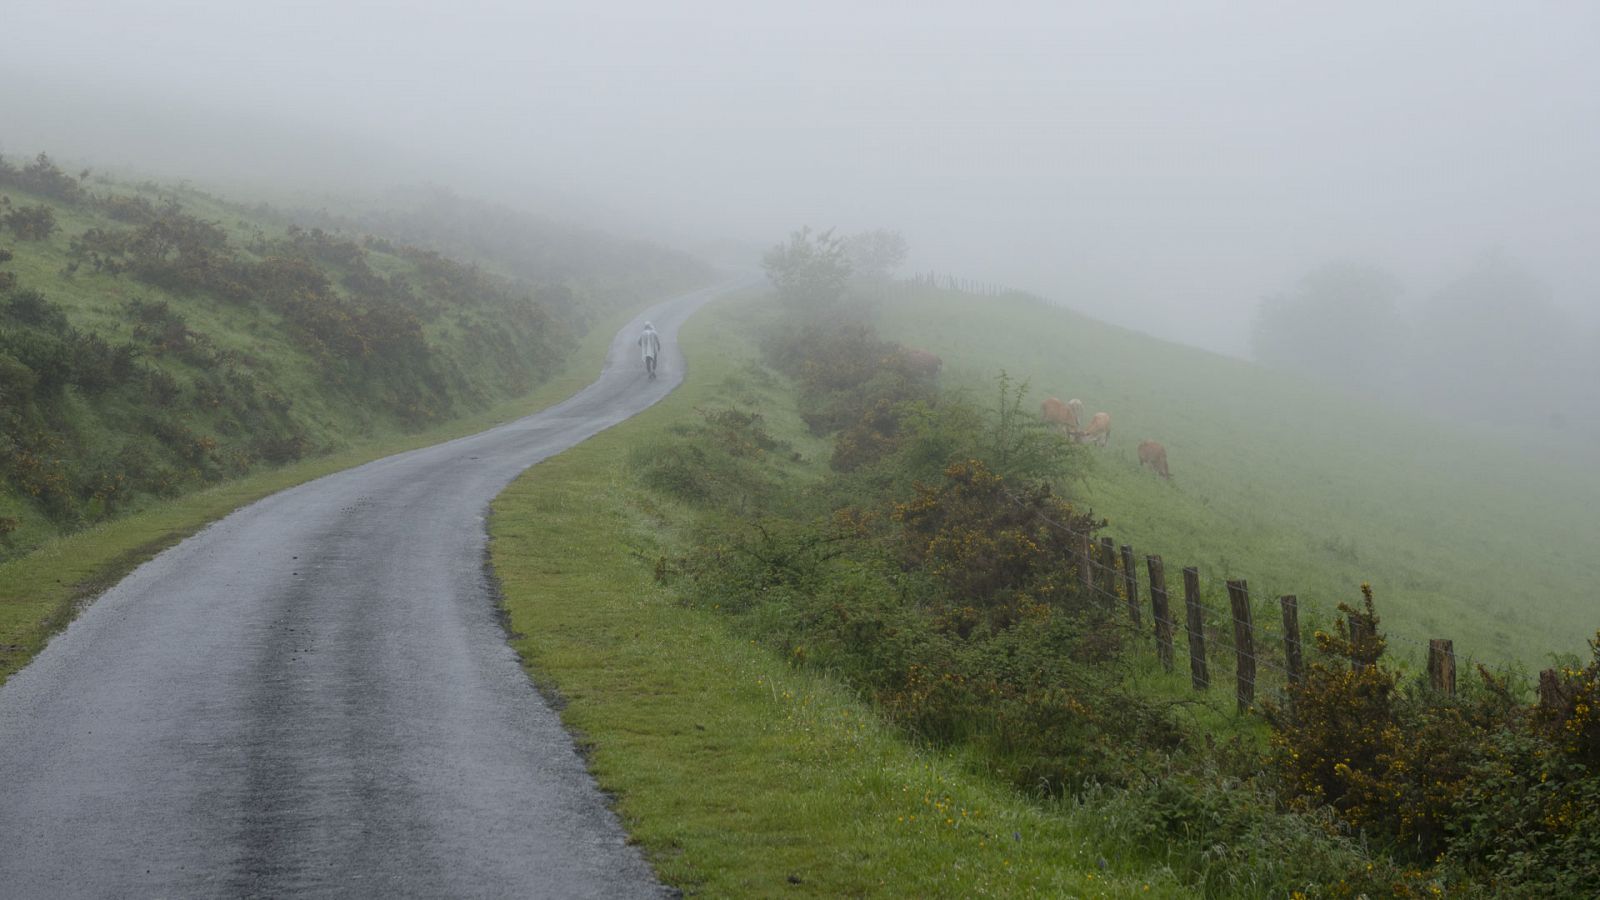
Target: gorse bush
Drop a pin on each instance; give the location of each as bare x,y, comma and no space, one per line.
43,177
851,381
1347,737
46,365
30,223
368,332
1001,554
1487,790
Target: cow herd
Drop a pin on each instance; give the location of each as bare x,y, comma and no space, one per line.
1067,416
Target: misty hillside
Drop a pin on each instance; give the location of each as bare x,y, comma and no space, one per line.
156,339
1467,534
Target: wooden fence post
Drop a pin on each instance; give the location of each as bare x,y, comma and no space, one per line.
1130,582
1292,661
1552,692
1108,570
1086,563
1442,666
1159,610
1244,644
1197,628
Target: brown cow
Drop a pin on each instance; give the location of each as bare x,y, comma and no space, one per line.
1152,454
1061,415
1099,430
921,363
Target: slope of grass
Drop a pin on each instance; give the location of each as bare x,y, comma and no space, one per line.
162,340
41,591
1297,488
740,774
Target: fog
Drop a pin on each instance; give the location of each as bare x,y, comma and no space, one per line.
1163,166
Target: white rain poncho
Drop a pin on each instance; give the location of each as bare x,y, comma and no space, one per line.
649,343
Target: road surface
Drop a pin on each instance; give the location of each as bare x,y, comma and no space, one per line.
314,696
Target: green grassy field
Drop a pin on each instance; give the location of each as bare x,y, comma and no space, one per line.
1296,488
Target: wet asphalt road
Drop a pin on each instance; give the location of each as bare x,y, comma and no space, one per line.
314,697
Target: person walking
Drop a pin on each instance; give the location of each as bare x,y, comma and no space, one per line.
650,347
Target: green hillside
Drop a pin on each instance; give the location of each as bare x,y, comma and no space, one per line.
156,339
1299,489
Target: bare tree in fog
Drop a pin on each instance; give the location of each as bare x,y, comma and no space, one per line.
1493,341
876,255
1490,345
1339,324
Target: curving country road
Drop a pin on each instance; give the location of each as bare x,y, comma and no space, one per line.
314,696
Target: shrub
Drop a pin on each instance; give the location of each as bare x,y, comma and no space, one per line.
283,446
1528,822
31,223
29,307
716,462
1346,737
42,176
677,468
851,381
1498,794
131,208
810,271
174,250
739,432
1009,552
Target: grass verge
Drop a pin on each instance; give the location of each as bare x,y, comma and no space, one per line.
739,774
41,592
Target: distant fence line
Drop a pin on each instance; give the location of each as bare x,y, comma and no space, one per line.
953,283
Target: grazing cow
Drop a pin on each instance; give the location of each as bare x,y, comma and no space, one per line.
1076,406
1099,430
1152,454
922,363
1061,415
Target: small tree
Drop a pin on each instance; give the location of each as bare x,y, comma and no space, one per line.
1020,445
1340,323
31,223
810,271
875,255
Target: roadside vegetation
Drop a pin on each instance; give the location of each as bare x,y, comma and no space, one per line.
148,349
166,356
740,772
833,515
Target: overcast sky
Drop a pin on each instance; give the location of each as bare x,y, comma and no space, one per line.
1159,165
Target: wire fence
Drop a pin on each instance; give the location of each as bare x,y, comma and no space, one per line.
1263,650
